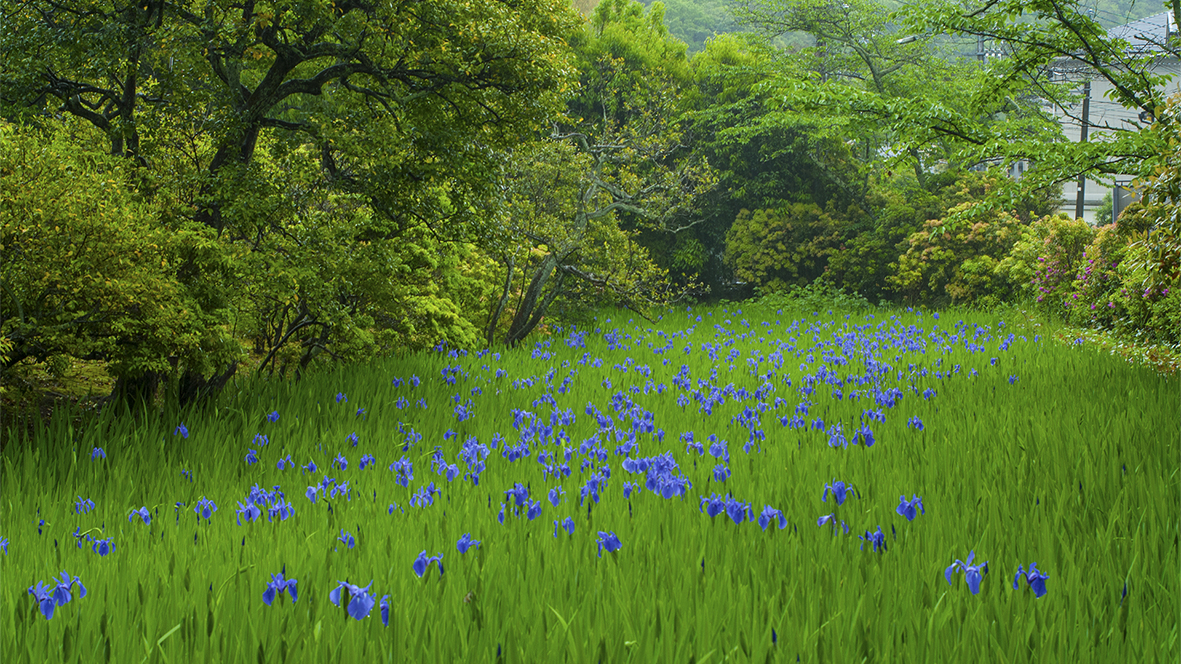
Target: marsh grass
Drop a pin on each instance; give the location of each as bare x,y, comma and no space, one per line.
1073,465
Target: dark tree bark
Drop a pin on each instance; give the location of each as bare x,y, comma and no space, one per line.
136,392
534,305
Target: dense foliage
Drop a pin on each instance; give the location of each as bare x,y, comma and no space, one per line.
196,187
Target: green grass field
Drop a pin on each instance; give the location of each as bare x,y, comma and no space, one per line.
1021,450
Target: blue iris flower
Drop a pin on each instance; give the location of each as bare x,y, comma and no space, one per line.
906,508
251,457
422,562
713,506
836,436
628,487
972,573
719,451
866,436
181,431
249,510
466,542
279,585
346,538
832,518
281,507
205,508
103,546
143,514
840,491
609,542
49,598
737,511
4,545
97,452
567,525
405,470
519,493
877,539
721,472
341,397
359,601
770,513
385,610
1036,580
555,495
274,416
83,506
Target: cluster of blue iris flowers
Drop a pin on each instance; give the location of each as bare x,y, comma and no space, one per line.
661,474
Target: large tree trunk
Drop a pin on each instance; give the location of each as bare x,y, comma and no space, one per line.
195,388
498,309
136,392
534,306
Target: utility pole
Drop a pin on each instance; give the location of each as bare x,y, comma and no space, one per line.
1082,178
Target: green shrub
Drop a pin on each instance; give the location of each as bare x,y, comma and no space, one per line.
956,262
781,247
1043,264
1152,311
86,268
820,295
1096,300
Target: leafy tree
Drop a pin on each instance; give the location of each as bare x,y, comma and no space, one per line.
1154,222
857,81
397,110
760,165
91,270
1038,37
695,22
783,247
628,65
614,176
316,283
563,202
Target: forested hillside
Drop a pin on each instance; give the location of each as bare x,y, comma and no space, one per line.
695,21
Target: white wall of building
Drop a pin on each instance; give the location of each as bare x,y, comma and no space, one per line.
1105,115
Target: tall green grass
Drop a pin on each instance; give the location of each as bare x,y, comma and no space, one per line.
1073,465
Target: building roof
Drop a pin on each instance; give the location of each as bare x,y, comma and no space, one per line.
1147,34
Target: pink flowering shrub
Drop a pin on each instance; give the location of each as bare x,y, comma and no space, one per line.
1151,309
1096,299
1044,263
